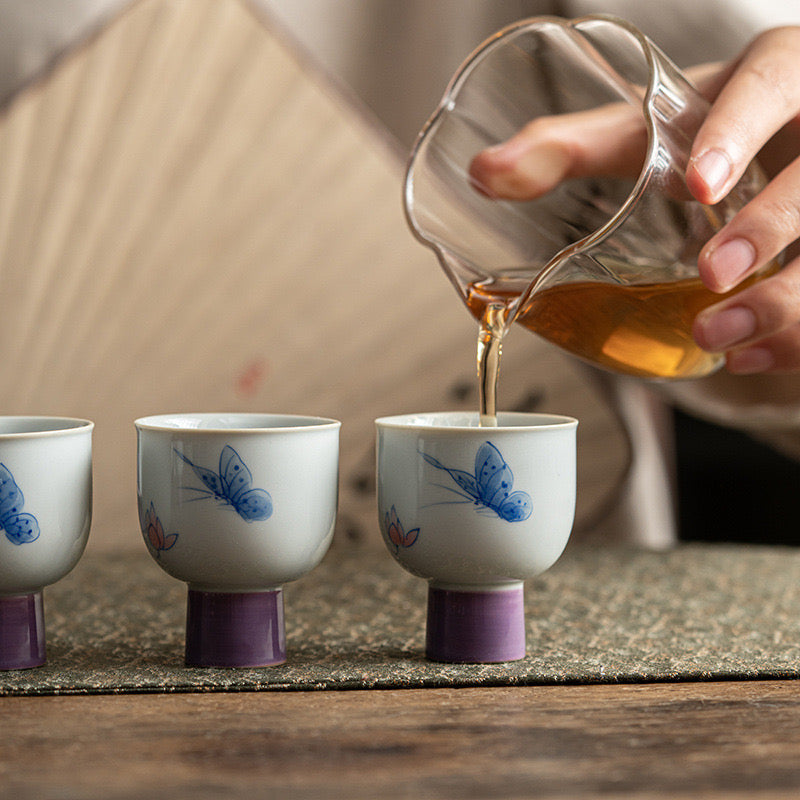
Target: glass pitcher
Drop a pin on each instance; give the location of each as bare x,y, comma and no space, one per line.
604,267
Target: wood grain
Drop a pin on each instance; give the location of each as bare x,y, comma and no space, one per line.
715,740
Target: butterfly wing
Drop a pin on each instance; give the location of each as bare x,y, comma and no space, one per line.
254,505
236,477
210,479
11,499
237,480
21,528
466,481
516,507
494,477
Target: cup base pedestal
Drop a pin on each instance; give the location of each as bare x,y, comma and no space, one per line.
22,641
235,629
475,627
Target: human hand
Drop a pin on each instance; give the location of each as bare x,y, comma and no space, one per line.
755,112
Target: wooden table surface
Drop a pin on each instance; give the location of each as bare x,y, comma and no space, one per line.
683,740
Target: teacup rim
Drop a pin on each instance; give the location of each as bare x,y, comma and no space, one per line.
61,426
288,422
507,421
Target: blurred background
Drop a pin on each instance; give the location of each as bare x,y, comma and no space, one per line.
200,209
398,57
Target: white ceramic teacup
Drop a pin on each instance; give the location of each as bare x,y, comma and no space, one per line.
237,505
45,516
476,511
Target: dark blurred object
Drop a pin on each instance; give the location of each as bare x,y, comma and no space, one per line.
732,488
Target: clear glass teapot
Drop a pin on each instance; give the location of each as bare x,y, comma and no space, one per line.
604,267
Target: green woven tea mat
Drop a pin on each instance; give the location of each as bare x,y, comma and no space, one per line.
699,612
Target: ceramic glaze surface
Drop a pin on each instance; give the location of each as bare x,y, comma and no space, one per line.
45,499
237,502
466,506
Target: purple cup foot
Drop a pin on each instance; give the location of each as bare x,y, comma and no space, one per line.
235,629
475,627
22,644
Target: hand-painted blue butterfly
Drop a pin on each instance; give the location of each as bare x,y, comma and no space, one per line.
19,528
233,486
491,484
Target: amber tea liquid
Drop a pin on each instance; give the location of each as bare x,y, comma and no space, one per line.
642,330
490,346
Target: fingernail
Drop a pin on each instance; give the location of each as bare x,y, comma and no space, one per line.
730,261
720,330
714,168
750,360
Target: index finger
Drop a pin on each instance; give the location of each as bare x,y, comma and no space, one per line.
761,95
